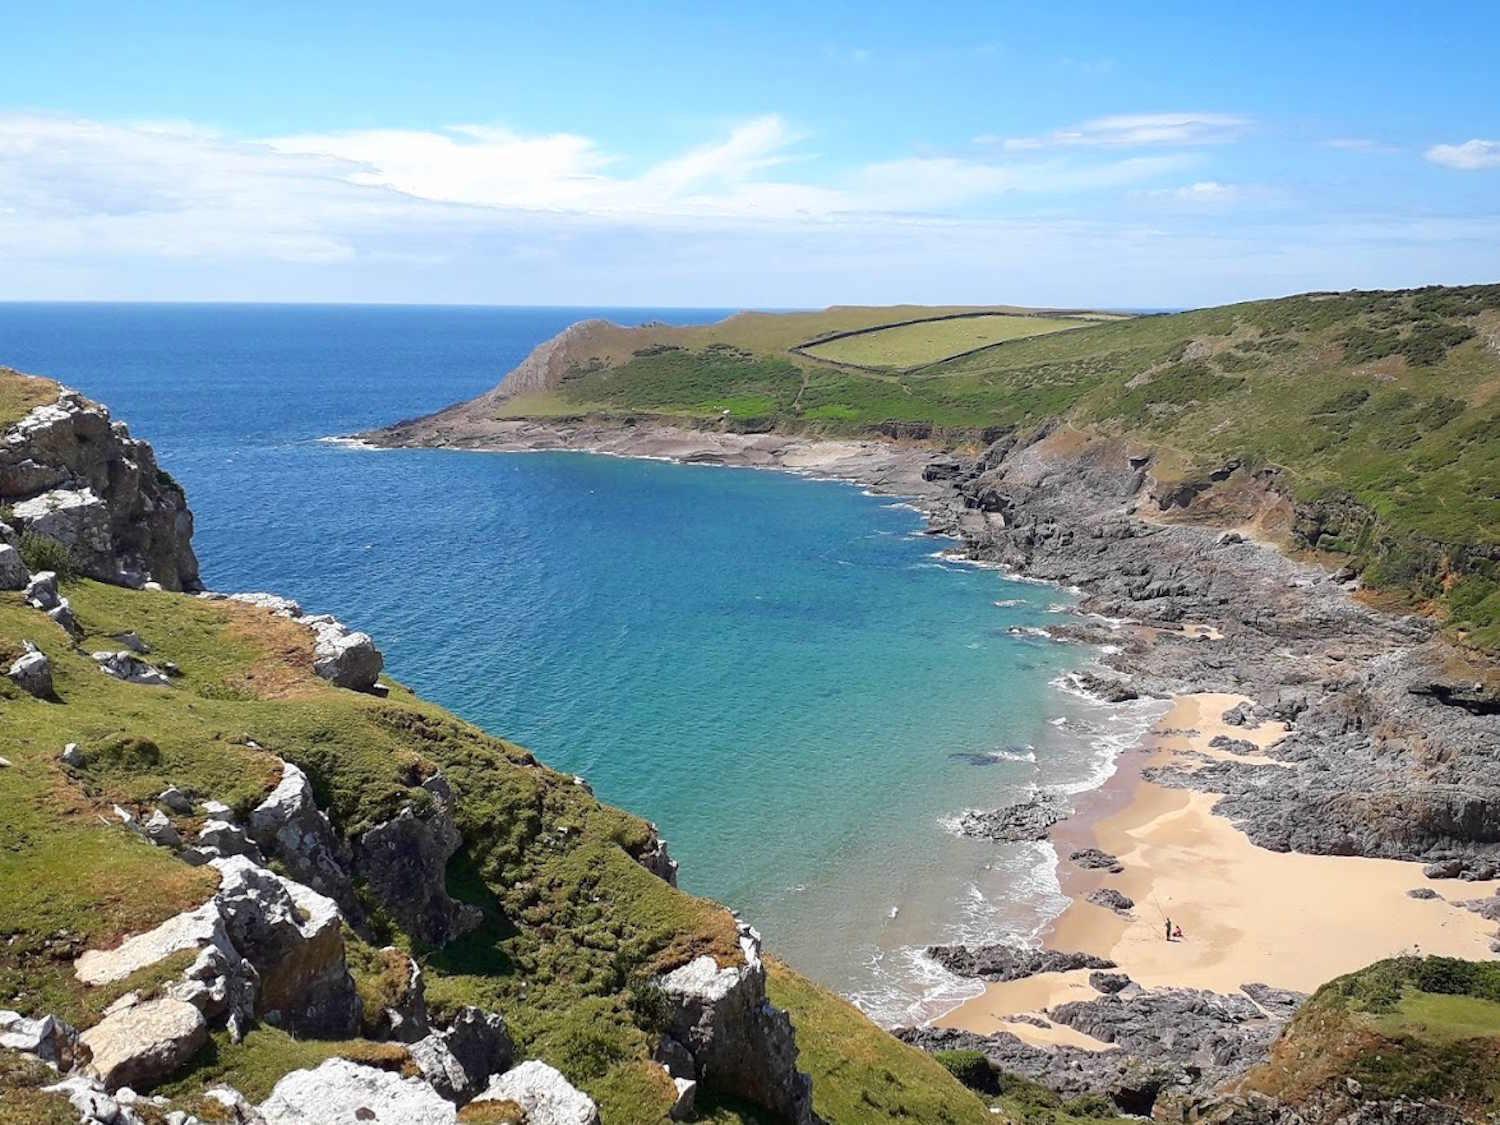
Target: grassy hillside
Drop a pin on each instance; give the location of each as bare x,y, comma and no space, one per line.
1381,411
1422,1029
932,340
574,925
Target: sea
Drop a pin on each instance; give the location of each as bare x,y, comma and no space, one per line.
799,686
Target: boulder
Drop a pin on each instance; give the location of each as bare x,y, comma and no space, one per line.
48,1038
459,1060
176,800
687,1099
740,1044
41,590
62,615
1109,983
32,672
404,861
293,936
13,574
341,656
1029,820
544,1094
126,665
93,1102
72,756
1093,859
339,1092
226,839
159,829
1002,961
140,1045
1111,899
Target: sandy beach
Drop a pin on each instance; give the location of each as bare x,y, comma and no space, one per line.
1247,914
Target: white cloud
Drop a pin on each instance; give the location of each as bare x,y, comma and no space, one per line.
1467,157
1137,130
1361,144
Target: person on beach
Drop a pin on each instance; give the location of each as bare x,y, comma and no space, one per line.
1177,933
1169,929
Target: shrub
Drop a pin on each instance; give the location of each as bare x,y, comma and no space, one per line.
971,1068
42,552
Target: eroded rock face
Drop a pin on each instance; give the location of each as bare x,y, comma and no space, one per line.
656,859
289,825
139,1045
1002,962
740,1044
544,1094
72,474
48,1038
13,573
404,862
339,1092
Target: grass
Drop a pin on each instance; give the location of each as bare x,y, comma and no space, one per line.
20,394
574,927
931,341
1378,413
1422,1028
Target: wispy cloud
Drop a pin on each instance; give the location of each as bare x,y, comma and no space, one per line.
1134,130
1201,191
1361,144
1467,157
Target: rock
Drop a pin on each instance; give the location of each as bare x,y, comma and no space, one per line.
1029,820
740,1044
1486,908
159,829
1241,715
92,1102
687,1098
32,672
1444,869
339,1092
62,615
126,665
80,521
143,1044
1423,893
1001,962
48,1038
1228,538
289,825
544,1094
345,658
1282,1003
1092,859
132,641
282,607
41,591
404,1016
403,862
1111,899
1108,688
226,839
675,1058
293,936
176,800
655,858
1233,745
1109,983
459,1061
13,574
72,756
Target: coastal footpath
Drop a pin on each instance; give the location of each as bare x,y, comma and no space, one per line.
245,876
1321,791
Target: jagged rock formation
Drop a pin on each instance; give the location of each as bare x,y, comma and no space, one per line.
1001,961
543,1094
739,1043
70,473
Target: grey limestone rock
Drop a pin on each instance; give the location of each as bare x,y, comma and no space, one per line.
544,1094
32,672
1000,961
339,1092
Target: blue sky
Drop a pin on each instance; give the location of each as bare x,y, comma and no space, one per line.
768,155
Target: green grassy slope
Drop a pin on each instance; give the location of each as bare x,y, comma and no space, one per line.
1382,411
574,925
932,340
1410,1027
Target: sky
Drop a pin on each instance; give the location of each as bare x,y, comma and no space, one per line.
770,155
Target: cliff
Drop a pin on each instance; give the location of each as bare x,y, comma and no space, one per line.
243,876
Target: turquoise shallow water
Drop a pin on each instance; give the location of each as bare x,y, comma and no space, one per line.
778,671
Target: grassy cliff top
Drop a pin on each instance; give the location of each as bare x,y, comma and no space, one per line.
1383,407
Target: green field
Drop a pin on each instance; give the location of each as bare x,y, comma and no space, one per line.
1379,411
929,341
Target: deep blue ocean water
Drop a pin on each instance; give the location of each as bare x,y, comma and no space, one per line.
777,670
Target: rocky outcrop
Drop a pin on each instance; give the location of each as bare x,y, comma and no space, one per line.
1029,820
141,1044
740,1044
656,859
1111,899
13,575
340,1092
70,473
1001,962
289,826
404,863
543,1094
459,1061
1093,859
127,666
47,1038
